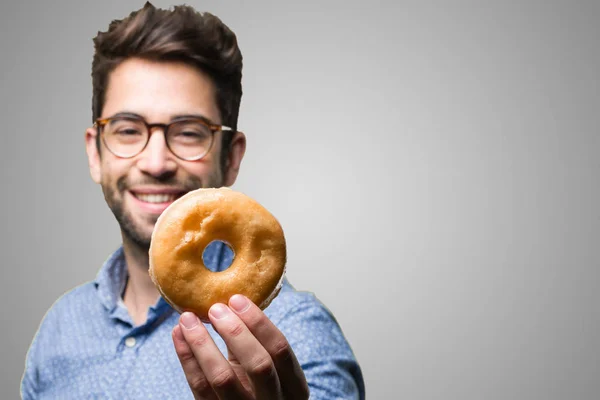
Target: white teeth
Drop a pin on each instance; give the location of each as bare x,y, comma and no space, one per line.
155,198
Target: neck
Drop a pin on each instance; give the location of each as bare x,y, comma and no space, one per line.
140,292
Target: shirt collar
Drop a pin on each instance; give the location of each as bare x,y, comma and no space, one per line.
110,281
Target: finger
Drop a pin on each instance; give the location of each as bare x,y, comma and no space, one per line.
246,350
194,375
239,371
215,367
291,376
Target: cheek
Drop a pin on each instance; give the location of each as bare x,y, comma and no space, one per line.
216,146
208,164
111,171
199,169
205,173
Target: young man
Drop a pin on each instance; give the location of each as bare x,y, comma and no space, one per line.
160,77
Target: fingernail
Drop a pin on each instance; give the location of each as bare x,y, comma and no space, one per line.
239,303
219,311
189,320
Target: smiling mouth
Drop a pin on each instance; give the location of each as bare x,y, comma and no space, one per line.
157,198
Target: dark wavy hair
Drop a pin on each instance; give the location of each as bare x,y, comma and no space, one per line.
182,34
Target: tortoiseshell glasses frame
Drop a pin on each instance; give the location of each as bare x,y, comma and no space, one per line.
188,138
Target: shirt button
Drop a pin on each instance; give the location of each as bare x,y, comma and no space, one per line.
130,342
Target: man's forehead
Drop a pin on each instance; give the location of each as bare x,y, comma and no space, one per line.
161,90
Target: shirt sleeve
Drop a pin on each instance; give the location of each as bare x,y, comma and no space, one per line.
30,381
330,367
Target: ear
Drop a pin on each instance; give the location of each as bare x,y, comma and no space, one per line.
237,149
93,154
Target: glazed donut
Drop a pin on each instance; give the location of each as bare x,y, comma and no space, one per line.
200,217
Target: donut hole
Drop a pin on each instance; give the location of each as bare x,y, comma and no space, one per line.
217,256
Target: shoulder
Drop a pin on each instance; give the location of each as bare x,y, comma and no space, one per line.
291,304
306,321
76,298
67,306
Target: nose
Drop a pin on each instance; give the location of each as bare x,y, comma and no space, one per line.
156,159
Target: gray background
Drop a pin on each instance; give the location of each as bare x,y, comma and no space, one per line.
434,166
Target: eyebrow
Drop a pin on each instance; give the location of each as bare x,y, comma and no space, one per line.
196,116
128,114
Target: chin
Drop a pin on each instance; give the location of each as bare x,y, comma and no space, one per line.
136,230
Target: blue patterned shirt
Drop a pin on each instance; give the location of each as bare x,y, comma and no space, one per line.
87,346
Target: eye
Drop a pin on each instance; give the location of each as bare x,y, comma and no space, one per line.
125,128
189,132
127,131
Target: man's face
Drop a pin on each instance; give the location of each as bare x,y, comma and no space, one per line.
138,189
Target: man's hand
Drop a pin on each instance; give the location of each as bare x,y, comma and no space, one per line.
260,365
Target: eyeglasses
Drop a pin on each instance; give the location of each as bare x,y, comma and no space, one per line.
189,139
